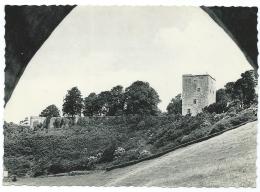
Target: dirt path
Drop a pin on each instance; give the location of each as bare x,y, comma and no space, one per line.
223,161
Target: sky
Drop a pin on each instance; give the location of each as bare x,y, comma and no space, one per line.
97,48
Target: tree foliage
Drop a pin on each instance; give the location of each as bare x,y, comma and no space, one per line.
72,103
219,107
50,111
238,94
90,105
140,98
116,102
102,102
175,106
245,88
221,104
106,103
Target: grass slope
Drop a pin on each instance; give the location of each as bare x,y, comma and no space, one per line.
227,160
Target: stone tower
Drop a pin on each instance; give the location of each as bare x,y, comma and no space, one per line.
198,91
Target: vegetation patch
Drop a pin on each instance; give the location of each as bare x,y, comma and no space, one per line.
119,126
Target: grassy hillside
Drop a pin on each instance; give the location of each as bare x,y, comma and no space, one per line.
102,142
228,160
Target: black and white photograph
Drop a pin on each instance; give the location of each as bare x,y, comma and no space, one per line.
133,96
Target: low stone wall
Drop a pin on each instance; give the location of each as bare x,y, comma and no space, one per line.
36,121
60,123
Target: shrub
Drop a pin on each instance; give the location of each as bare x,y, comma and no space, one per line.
196,134
83,121
141,125
108,154
57,123
17,165
84,145
119,152
145,153
132,154
244,116
220,126
92,160
39,167
219,107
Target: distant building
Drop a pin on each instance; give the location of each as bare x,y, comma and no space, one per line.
32,121
198,91
25,122
36,120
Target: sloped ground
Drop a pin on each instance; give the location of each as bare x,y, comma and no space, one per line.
227,160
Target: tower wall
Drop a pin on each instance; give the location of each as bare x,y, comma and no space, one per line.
198,91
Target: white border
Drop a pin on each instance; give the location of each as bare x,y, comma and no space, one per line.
248,3
135,2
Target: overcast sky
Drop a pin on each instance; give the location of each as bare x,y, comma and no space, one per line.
97,48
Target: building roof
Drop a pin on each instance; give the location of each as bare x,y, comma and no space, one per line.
190,75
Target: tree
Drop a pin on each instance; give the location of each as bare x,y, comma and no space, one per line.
237,94
175,106
231,90
245,88
102,103
107,103
222,96
50,111
219,107
116,102
222,101
72,103
140,98
90,105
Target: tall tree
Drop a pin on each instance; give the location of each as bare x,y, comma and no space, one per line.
116,104
50,111
90,105
221,104
175,106
140,98
245,88
231,90
222,96
102,102
240,94
72,103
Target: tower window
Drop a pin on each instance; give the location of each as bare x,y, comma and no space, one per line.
194,101
198,89
188,111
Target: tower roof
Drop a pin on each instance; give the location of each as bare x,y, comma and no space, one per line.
190,75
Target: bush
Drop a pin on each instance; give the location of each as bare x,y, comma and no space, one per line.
57,123
17,165
83,121
219,107
82,146
145,153
244,116
141,125
196,134
108,154
119,152
132,154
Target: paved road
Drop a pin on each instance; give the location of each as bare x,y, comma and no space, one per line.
223,161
